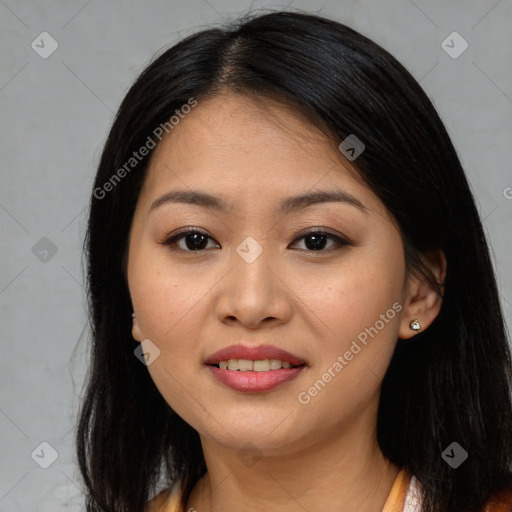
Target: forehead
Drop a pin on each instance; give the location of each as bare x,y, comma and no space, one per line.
236,145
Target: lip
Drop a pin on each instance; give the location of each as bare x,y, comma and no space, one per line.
251,381
254,353
254,382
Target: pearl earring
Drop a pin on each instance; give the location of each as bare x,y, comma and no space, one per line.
133,315
415,325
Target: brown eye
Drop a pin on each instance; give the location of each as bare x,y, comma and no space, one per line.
193,240
317,240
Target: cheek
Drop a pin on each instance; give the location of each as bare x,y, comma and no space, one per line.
165,296
359,310
358,305
168,305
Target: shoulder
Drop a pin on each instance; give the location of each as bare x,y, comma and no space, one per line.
167,500
500,501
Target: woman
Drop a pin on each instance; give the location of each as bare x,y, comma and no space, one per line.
292,301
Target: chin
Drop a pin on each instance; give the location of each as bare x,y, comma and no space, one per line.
266,438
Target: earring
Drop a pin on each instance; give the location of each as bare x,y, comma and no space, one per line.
415,325
133,315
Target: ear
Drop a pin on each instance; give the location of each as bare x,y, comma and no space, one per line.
135,329
422,301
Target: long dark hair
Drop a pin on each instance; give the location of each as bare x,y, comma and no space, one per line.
452,383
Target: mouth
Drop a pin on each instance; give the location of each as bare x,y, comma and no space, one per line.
258,355
254,369
260,365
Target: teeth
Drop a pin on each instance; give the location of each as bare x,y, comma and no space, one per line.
244,365
275,364
261,365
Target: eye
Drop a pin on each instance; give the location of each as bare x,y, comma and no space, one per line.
194,240
315,240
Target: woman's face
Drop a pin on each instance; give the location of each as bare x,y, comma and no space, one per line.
253,278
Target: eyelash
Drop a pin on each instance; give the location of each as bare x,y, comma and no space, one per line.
170,241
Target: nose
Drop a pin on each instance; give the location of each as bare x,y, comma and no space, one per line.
254,294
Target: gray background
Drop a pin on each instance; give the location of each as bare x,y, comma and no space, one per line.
56,113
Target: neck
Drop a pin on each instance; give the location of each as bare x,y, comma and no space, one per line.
346,473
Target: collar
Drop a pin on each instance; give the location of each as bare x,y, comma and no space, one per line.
404,495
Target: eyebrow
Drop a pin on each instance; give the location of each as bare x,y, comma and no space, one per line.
287,205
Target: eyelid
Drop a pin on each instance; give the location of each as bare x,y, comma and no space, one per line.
320,230
181,232
341,240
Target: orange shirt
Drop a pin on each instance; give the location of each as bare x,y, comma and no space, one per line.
403,497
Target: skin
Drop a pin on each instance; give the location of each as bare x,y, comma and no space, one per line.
322,455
